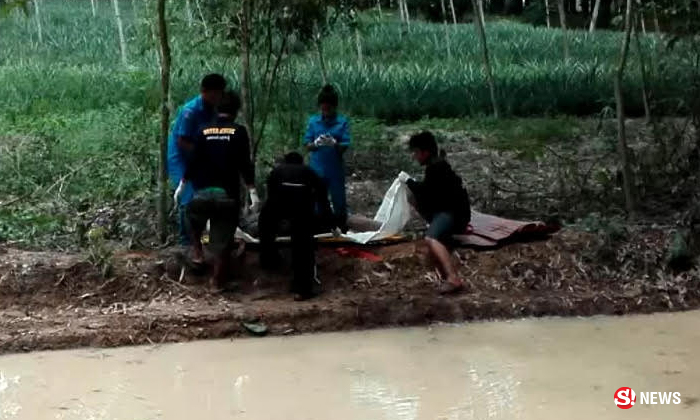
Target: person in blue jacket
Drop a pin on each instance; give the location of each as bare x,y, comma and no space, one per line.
327,138
192,118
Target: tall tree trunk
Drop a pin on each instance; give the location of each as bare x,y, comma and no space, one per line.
454,13
564,31
379,8
403,18
546,11
594,17
627,182
358,44
657,27
479,10
188,12
37,16
134,9
201,16
645,80
407,14
164,121
120,29
641,17
247,107
94,9
447,31
321,59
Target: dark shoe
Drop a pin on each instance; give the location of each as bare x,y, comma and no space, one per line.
451,288
271,263
300,297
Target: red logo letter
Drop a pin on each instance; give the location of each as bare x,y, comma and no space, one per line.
625,398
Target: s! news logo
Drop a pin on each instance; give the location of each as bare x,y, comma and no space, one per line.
625,398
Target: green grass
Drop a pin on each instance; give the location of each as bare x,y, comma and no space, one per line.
69,108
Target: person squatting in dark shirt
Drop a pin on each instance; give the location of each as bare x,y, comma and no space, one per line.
296,197
443,202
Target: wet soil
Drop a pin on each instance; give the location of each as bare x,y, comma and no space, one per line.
53,301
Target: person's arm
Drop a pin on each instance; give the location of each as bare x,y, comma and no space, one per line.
246,168
186,130
421,192
272,185
245,160
344,140
308,140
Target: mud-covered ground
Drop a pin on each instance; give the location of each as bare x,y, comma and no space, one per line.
52,301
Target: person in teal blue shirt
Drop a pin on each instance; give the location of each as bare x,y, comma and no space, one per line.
327,138
192,118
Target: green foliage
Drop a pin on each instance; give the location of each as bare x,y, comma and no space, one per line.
79,129
99,251
610,233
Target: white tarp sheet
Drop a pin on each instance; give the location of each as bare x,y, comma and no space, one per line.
393,214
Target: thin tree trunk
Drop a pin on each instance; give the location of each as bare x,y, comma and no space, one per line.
454,13
546,11
447,31
94,10
481,14
188,12
564,32
379,8
594,18
245,77
641,17
478,8
164,121
134,9
358,44
201,16
403,17
657,27
645,80
408,15
120,29
321,59
619,99
37,13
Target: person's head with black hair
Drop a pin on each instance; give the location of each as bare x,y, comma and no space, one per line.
293,158
212,89
327,100
423,146
230,105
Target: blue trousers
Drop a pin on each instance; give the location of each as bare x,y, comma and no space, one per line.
336,189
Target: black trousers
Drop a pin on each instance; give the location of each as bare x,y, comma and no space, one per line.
297,219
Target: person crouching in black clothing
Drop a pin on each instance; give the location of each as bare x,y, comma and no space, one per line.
298,197
443,202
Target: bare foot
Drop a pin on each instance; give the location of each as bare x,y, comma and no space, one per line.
197,256
452,286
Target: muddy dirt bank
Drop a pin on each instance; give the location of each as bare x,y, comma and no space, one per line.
55,301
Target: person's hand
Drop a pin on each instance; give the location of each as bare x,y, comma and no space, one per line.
404,177
178,192
329,140
325,140
254,200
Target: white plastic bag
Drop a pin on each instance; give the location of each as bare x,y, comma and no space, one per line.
393,214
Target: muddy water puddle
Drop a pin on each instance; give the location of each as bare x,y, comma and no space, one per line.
527,369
